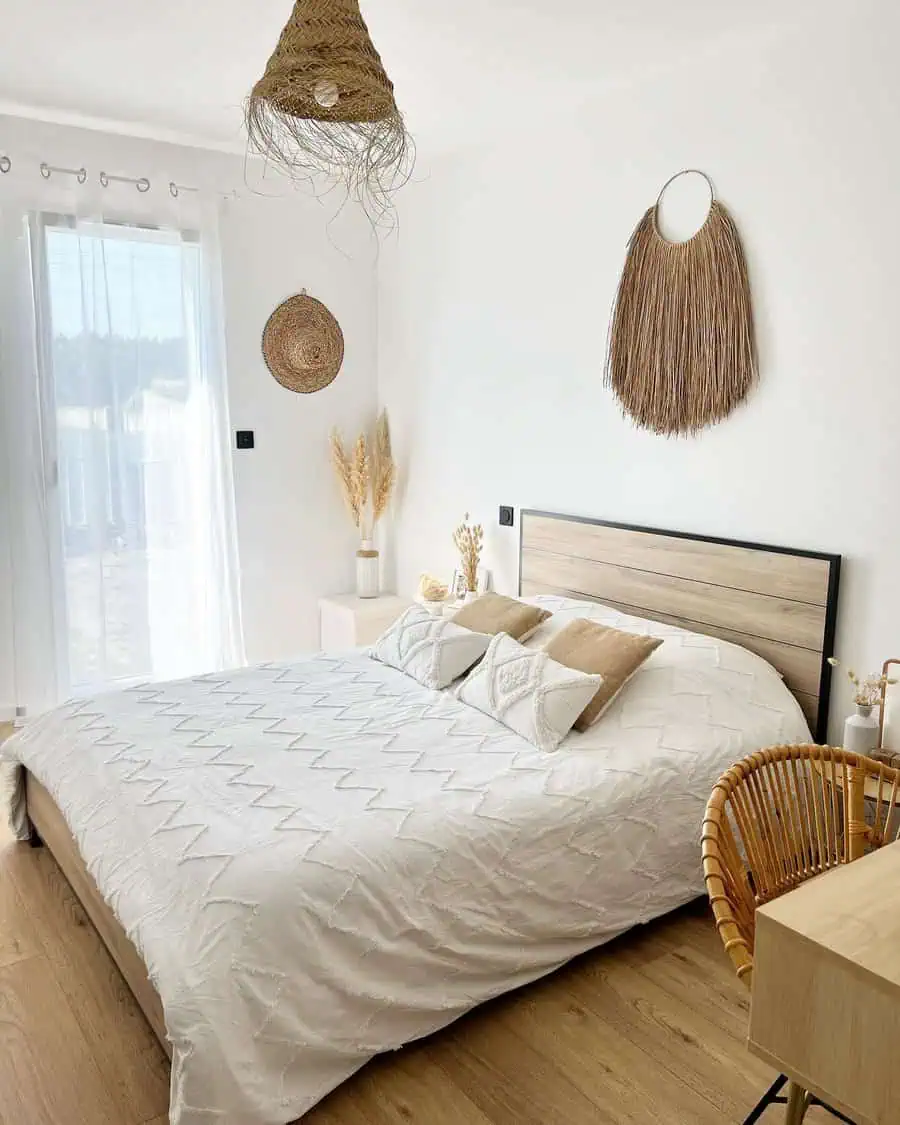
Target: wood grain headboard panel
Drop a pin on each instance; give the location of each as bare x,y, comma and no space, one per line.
777,602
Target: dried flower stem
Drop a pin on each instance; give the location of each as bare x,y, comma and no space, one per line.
344,471
384,471
869,690
361,483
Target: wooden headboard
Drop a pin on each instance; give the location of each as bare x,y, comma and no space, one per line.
777,602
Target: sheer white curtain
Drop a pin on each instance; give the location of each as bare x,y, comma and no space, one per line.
122,544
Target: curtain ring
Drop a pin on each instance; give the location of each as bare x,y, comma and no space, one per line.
687,172
173,189
143,185
104,180
45,170
5,164
81,175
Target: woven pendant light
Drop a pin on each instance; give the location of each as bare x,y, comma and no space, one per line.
326,105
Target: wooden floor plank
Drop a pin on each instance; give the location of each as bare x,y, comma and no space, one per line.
678,1039
132,1064
405,1086
18,939
610,1069
510,1081
691,979
48,1075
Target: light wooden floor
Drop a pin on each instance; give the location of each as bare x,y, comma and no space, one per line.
647,1031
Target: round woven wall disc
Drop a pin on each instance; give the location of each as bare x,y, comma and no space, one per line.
303,345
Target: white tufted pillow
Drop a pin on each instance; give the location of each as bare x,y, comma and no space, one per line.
528,692
432,650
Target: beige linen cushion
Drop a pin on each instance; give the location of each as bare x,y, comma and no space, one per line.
599,650
494,613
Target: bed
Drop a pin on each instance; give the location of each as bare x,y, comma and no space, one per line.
301,865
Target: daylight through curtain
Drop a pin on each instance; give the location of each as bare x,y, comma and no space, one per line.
118,474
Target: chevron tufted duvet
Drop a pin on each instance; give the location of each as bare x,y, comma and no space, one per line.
323,860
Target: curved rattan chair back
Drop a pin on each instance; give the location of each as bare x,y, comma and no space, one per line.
782,816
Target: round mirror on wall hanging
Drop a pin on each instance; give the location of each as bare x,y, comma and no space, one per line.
682,347
303,344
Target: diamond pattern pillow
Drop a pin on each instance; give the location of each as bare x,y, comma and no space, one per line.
431,650
528,692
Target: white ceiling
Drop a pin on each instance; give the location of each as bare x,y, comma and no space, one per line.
179,69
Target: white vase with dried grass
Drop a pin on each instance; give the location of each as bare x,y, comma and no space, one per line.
861,729
367,485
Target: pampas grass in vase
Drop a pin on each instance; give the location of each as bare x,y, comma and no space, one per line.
367,483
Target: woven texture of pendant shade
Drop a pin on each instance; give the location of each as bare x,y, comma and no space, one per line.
326,105
682,350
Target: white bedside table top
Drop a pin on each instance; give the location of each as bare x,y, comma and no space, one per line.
360,605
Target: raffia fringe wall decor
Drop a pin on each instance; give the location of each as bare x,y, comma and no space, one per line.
682,350
326,106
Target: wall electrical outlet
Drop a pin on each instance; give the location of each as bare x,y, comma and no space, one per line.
507,516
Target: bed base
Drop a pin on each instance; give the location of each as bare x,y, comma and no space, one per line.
49,828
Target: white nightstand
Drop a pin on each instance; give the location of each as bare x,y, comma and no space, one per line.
346,621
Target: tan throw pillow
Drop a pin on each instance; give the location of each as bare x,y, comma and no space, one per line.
599,650
494,613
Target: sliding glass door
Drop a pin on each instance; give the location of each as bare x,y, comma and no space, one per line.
138,477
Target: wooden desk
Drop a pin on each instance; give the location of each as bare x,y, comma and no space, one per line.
825,1008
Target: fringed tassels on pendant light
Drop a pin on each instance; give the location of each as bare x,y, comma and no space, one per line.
326,105
682,351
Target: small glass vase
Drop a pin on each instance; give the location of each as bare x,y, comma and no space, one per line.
367,580
861,730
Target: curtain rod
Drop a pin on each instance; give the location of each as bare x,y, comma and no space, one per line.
142,183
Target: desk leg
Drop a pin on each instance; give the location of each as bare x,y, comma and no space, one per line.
798,1102
770,1097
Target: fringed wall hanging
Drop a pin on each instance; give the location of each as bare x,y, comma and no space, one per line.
325,105
682,350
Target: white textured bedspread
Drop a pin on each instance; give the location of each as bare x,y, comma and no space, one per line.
323,860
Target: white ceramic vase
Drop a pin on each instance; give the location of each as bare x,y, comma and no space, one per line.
471,596
861,730
367,570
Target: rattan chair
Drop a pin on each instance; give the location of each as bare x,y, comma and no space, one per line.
776,819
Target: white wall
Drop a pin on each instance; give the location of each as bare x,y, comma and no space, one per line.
295,542
494,306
